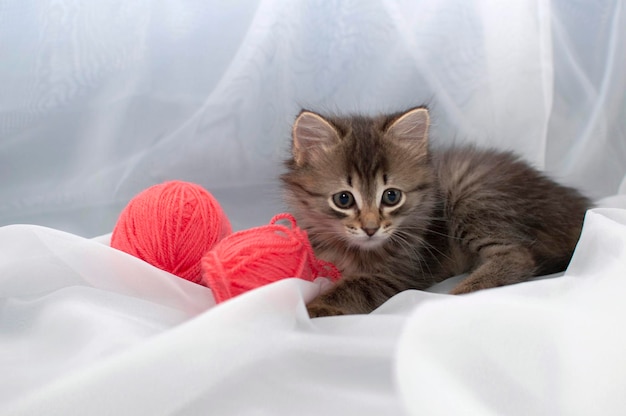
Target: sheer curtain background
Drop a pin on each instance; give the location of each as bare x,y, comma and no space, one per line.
103,99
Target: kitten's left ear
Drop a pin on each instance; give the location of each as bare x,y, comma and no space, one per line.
312,136
411,128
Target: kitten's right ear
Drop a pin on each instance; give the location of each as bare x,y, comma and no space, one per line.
312,136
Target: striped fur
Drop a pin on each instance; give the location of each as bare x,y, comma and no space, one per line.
459,210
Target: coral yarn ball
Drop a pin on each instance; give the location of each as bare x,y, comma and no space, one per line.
171,226
255,257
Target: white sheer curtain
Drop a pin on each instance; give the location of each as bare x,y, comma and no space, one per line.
103,99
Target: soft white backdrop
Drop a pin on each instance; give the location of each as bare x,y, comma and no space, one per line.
103,99
100,100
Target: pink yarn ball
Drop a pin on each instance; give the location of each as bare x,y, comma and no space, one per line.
171,226
252,258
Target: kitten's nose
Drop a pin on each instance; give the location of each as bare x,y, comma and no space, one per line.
370,231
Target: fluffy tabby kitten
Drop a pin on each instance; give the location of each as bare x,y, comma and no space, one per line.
393,214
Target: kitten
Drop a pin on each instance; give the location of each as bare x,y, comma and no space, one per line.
393,214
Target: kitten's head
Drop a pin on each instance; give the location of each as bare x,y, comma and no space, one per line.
360,181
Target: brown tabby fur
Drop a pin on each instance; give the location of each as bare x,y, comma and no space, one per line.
461,210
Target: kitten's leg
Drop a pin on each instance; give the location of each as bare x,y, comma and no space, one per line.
500,265
355,295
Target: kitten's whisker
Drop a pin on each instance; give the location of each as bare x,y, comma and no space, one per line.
423,245
428,246
413,252
425,229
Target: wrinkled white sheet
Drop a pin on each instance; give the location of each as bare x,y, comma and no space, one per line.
85,329
550,347
102,99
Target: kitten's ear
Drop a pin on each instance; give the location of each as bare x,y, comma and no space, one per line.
411,129
312,136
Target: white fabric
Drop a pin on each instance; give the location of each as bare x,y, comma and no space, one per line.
85,329
103,99
547,347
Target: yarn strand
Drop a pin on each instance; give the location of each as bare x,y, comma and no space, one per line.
258,256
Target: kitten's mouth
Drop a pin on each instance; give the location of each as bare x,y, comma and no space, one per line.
368,242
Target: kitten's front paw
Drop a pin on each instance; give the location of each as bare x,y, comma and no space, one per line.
317,310
462,289
470,285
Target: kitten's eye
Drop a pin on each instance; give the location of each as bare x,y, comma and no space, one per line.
391,197
343,200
